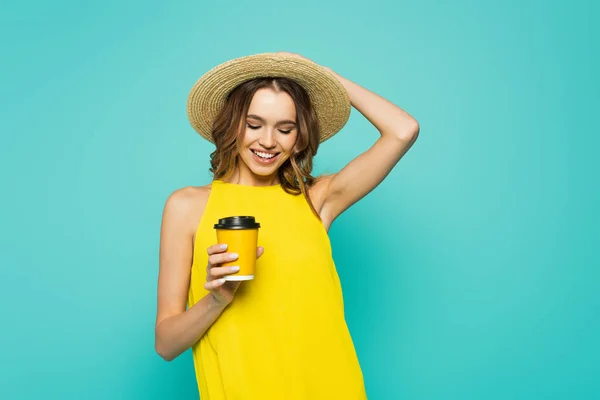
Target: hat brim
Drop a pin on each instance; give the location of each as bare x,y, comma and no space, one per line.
328,96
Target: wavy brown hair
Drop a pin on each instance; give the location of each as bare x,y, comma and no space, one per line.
229,126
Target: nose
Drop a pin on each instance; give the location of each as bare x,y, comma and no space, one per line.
267,140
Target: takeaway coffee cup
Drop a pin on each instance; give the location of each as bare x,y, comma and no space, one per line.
240,234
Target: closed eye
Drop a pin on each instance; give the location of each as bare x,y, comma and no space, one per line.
254,127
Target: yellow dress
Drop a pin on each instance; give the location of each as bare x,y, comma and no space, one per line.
284,336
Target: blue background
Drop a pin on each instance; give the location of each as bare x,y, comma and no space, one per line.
470,273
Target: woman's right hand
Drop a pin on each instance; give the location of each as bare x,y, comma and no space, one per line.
222,290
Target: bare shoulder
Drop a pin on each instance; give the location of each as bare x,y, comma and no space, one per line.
185,206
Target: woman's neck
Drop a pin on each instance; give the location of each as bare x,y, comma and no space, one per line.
248,178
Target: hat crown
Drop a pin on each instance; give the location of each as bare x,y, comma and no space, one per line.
209,94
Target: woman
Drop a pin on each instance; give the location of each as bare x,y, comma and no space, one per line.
281,335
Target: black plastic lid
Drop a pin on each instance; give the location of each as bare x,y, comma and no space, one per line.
243,222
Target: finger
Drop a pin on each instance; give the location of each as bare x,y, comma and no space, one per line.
221,271
259,251
216,248
221,258
214,284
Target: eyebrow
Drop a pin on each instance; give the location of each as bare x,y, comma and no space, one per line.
285,121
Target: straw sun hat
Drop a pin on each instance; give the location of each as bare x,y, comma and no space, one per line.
329,98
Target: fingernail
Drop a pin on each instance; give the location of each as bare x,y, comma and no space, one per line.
233,256
235,269
223,246
222,281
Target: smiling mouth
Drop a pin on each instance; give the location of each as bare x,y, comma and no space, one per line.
264,156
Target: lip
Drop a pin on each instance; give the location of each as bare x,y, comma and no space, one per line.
262,161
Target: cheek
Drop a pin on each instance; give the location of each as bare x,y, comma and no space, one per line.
289,142
249,136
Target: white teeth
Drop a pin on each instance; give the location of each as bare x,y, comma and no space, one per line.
263,155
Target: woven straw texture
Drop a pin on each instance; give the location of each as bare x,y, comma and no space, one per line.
328,96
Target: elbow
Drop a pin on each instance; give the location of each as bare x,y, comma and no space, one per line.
416,129
163,353
412,132
160,346
409,133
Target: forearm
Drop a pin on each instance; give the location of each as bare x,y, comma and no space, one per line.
176,334
388,118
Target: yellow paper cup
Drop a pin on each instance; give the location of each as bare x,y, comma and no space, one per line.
240,234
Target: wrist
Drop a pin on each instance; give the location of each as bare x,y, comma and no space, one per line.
218,302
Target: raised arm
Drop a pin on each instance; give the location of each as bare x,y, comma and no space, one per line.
398,133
